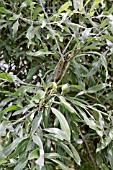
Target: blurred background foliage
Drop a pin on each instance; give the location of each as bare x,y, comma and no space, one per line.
56,91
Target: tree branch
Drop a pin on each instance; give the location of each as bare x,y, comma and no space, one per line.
92,159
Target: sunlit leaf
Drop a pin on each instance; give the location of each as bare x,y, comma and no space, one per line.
95,3
65,7
67,105
33,155
37,140
10,108
36,122
58,133
63,123
15,27
6,76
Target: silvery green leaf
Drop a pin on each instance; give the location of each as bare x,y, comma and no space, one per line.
15,27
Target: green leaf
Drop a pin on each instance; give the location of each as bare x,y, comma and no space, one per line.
34,154
5,92
75,154
66,105
110,96
66,149
52,155
6,76
58,133
78,4
2,129
39,53
96,66
30,74
40,95
37,140
6,101
21,146
96,88
104,167
21,165
65,88
64,7
15,27
95,3
76,103
23,89
106,141
104,63
90,122
4,10
86,33
9,149
36,123
63,123
11,108
15,17
30,33
63,166
18,112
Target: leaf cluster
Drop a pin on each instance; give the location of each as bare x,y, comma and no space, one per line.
56,62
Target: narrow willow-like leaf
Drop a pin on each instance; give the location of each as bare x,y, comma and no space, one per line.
39,53
75,154
40,160
67,105
52,155
76,4
10,108
63,166
15,27
21,165
58,133
63,123
9,149
97,88
104,63
30,33
36,123
21,146
65,7
31,72
106,141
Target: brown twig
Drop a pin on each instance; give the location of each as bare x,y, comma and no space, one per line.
93,98
92,159
66,63
67,45
61,65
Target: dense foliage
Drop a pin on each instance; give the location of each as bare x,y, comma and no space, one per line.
56,74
